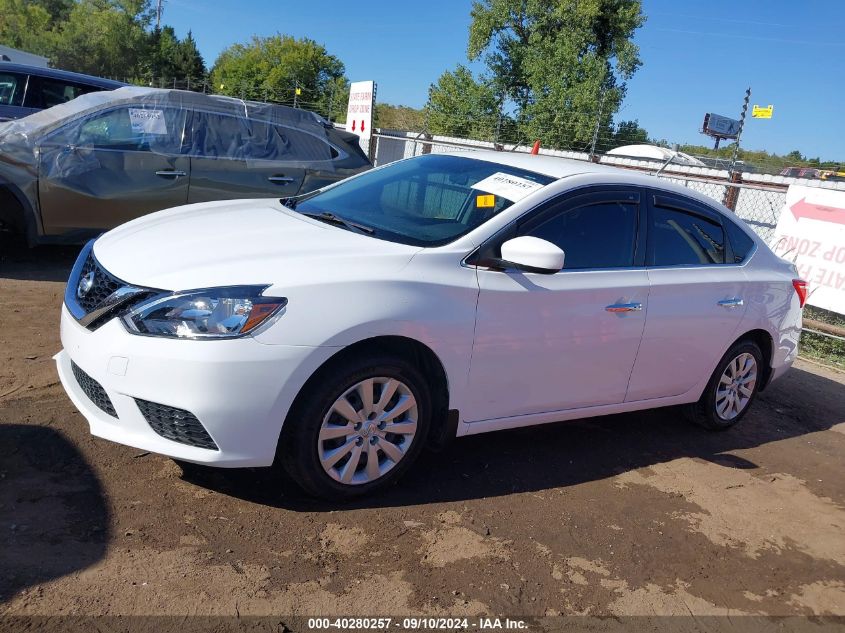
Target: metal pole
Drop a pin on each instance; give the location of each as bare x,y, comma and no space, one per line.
295,90
498,123
739,133
158,15
596,131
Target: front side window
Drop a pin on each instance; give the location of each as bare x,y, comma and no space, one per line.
11,89
679,238
426,201
142,128
600,235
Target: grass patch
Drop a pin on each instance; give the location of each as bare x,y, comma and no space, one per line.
823,348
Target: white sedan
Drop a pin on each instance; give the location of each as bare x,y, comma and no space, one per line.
338,333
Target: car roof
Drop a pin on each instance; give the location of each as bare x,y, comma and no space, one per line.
560,167
554,166
55,73
219,104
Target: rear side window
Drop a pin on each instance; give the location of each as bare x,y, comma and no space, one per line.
223,136
741,244
11,89
600,235
679,238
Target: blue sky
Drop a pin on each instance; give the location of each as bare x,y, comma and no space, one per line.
697,57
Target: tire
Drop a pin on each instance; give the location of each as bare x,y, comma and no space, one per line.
330,421
722,405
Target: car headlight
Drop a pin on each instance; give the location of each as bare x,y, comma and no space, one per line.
212,313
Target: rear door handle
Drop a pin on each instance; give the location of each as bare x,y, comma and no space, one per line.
280,179
170,173
624,307
731,303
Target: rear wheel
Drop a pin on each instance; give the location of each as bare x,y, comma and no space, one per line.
358,427
731,389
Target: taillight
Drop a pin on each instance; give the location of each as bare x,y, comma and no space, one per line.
801,289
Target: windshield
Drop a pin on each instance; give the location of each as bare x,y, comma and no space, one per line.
426,201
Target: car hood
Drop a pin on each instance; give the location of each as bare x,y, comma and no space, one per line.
240,242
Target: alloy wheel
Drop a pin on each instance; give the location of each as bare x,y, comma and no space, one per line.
736,386
368,430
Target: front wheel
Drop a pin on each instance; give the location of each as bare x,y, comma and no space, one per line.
359,426
731,389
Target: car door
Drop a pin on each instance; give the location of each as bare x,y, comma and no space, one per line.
234,157
567,340
696,301
112,166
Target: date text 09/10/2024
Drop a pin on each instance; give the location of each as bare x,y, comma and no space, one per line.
420,623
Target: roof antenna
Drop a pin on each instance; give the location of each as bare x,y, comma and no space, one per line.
664,165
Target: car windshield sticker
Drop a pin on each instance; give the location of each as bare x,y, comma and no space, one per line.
507,186
485,201
147,121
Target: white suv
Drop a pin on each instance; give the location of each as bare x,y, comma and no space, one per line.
339,332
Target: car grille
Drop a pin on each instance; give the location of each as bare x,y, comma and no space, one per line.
103,286
176,424
93,390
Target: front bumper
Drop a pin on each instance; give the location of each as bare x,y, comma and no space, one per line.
240,390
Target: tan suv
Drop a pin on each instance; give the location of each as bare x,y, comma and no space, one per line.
95,162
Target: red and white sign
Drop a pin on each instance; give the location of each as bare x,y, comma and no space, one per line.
811,232
359,112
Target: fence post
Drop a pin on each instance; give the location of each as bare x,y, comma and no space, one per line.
739,132
732,193
596,130
426,148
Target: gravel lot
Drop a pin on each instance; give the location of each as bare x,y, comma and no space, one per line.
628,514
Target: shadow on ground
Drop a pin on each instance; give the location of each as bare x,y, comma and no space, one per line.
567,453
53,515
43,263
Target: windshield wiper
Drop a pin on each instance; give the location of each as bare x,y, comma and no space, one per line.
331,218
291,201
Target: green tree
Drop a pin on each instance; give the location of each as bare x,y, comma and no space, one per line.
170,60
59,10
400,117
26,26
460,105
272,68
564,63
189,63
104,37
627,133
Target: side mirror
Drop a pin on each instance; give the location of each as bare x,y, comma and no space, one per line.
531,254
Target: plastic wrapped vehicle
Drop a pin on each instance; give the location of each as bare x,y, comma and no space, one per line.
102,159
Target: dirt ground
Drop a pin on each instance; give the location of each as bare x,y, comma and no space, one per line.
631,514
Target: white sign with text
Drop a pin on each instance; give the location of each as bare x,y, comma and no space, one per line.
359,112
811,232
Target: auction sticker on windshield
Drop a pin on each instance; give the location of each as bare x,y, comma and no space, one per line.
507,186
147,121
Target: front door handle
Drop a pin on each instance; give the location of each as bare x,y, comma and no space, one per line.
170,173
731,303
624,307
280,179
